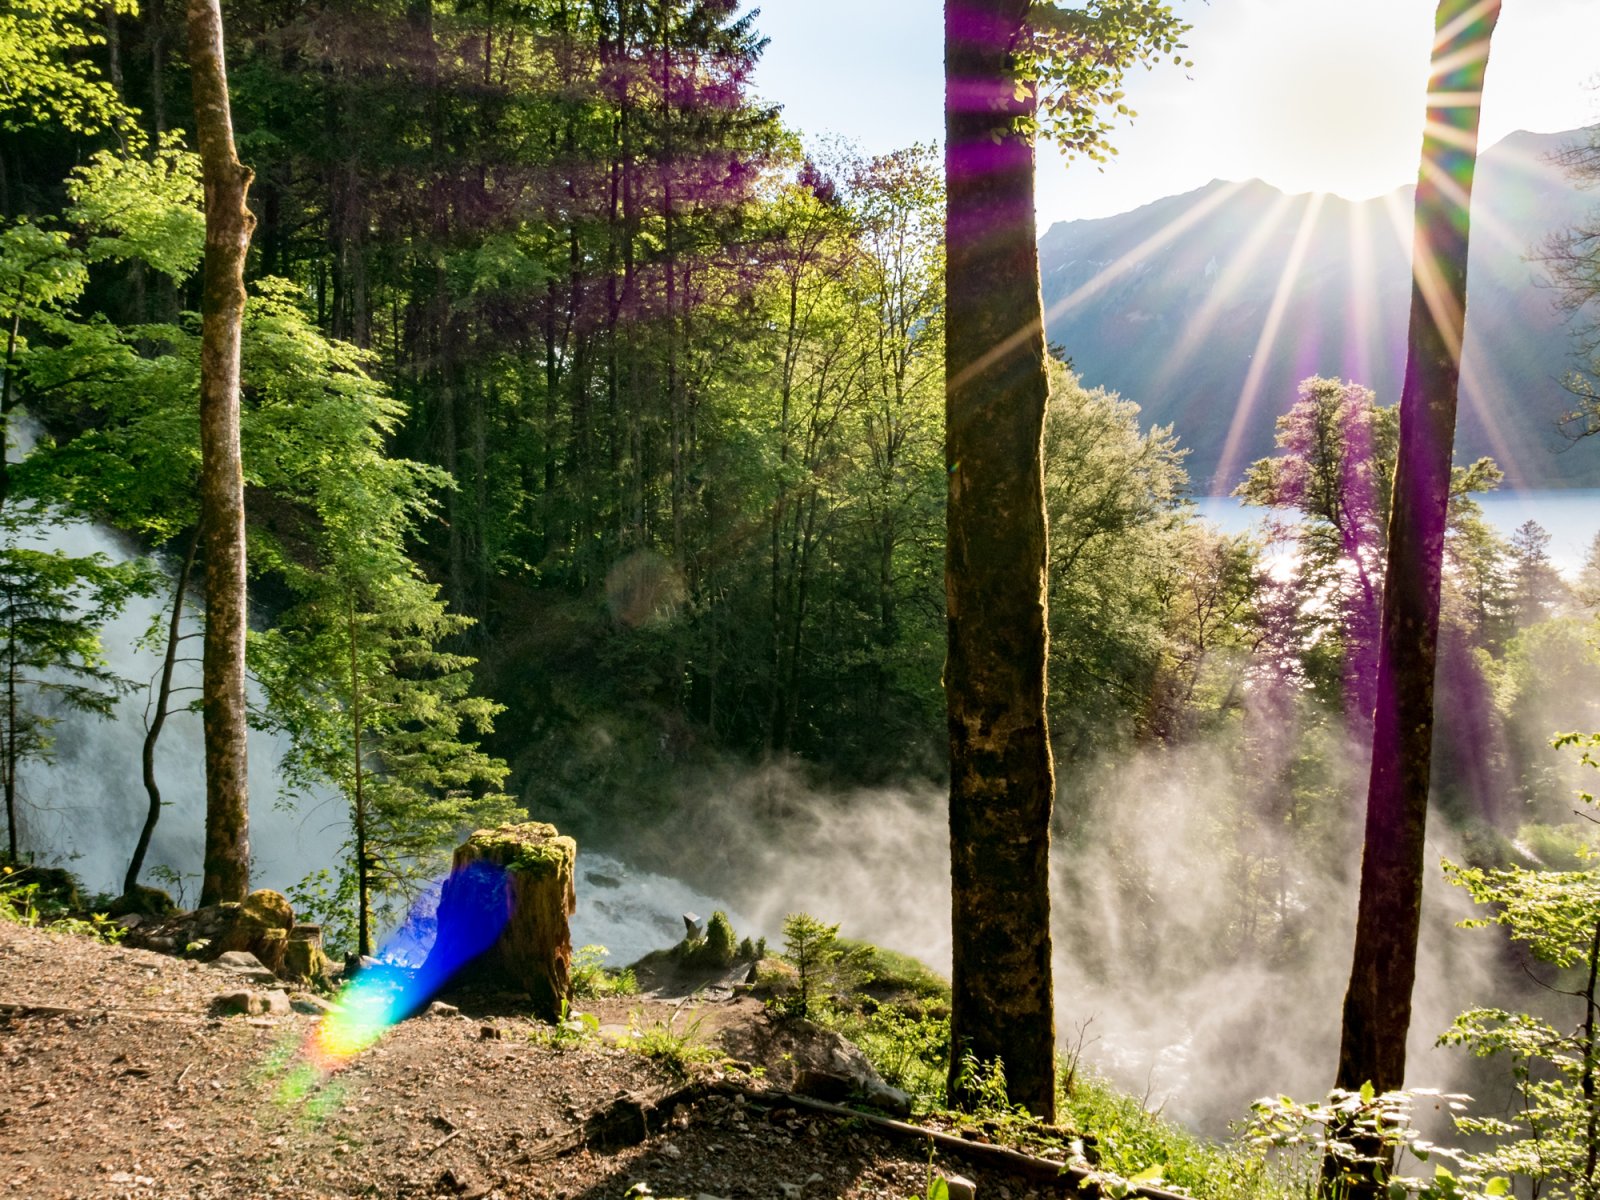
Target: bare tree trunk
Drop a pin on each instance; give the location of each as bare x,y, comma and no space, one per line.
1001,777
159,719
1377,1009
228,227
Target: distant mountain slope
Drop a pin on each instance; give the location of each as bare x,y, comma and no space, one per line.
1208,308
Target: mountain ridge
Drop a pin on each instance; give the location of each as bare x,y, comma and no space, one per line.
1207,308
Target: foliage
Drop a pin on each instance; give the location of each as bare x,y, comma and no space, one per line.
1076,60
812,946
591,980
679,1051
24,902
52,607
1368,1136
1554,1138
49,74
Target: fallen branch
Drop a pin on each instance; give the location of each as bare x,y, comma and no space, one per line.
1001,1158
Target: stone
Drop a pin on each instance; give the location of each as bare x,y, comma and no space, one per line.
440,1009
243,965
143,902
691,925
961,1188
311,1006
276,1003
238,1004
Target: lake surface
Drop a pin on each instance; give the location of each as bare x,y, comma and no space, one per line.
1571,517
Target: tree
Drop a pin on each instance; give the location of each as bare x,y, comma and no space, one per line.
228,226
1011,67
1537,587
1336,458
1377,1009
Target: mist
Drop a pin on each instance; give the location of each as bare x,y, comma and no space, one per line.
1168,983
84,810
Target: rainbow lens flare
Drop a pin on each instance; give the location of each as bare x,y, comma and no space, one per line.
473,908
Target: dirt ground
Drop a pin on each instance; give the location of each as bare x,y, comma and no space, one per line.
116,1082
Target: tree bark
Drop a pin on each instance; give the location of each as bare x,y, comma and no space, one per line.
158,720
1001,776
1377,1010
228,227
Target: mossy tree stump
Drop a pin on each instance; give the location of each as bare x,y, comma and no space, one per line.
528,891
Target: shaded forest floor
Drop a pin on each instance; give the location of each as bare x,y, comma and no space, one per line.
116,1081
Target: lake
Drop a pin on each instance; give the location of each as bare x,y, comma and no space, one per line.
1571,517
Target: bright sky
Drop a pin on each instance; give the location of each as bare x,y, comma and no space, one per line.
1306,94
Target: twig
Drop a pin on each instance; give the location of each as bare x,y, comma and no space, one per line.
443,1142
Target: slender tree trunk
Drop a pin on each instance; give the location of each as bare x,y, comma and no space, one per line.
1591,1061
1001,777
159,719
228,227
363,874
1377,1009
12,668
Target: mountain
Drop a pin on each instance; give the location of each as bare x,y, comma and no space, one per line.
1209,308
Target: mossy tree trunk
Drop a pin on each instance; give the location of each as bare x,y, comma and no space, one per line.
1377,1008
1001,779
514,884
228,227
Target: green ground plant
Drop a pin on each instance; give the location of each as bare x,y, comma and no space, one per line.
593,980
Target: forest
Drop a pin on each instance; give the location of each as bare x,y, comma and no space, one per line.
505,410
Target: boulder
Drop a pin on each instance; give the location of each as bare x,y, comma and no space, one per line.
143,902
259,924
244,966
503,915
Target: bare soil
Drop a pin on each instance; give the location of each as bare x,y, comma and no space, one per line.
115,1081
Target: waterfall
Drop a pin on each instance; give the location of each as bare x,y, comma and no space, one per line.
84,811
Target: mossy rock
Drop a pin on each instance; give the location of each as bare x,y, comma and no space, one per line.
59,888
268,910
144,901
303,959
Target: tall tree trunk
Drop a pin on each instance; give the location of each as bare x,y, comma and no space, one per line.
1377,1008
1001,778
359,815
228,227
158,721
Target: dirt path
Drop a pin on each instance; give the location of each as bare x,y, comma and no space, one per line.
115,1082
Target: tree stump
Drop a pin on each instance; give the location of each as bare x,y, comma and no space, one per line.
503,915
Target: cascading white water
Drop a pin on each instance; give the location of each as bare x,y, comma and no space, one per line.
85,810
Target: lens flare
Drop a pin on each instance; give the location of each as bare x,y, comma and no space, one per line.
416,964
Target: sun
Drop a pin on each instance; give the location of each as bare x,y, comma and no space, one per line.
1338,105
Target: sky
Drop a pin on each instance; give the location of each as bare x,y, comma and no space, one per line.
1305,94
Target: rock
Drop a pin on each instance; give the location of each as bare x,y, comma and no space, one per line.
503,915
311,1006
143,902
244,966
238,1004
691,925
791,1191
129,921
259,924
802,1057
276,1003
440,1009
961,1188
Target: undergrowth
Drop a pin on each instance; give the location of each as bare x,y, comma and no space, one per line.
23,902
